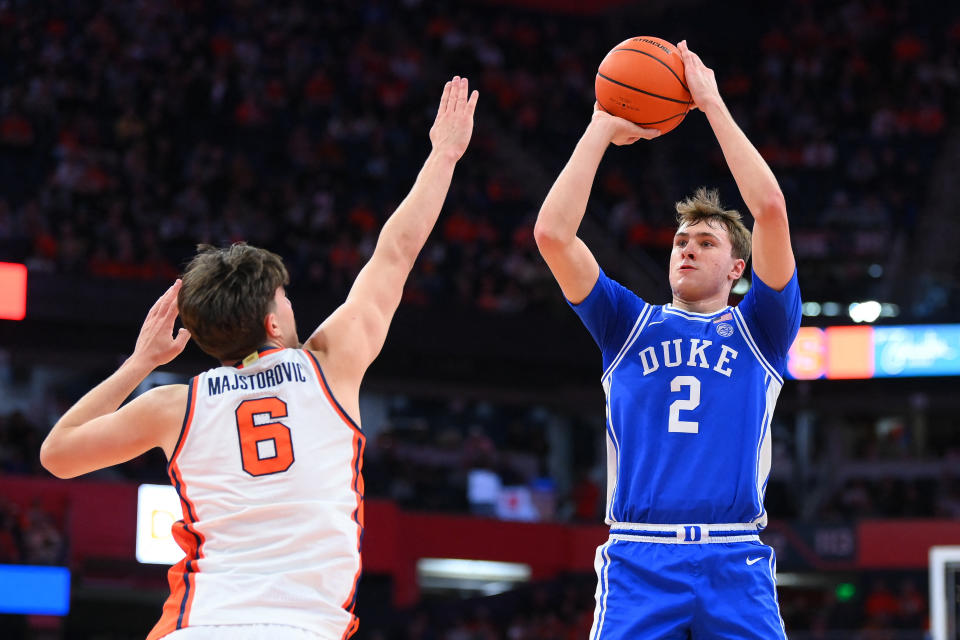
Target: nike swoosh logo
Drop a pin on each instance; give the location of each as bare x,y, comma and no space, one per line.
754,560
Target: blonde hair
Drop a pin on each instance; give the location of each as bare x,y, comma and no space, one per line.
704,205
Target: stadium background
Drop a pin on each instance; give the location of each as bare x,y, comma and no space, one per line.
129,132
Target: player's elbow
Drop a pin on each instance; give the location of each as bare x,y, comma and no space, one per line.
397,251
773,204
548,237
52,459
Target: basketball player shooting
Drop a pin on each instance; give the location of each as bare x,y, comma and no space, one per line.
266,450
690,389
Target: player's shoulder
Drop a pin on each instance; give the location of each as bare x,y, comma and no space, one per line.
161,410
166,394
166,403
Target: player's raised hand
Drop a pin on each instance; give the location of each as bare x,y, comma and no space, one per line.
621,131
453,127
700,78
156,344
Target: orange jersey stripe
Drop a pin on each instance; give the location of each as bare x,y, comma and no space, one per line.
194,540
171,608
351,629
359,442
169,619
176,611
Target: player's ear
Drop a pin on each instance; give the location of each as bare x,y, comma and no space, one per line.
738,266
271,323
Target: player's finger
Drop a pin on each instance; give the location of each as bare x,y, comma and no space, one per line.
454,93
462,95
170,314
158,305
444,99
472,103
169,298
183,337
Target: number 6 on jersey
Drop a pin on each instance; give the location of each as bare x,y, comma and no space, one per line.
266,447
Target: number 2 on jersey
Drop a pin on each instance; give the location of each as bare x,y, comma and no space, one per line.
266,447
684,404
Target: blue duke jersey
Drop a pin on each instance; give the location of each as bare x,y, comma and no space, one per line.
690,399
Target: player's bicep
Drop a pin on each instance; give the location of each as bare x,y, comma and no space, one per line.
773,259
773,316
150,420
573,266
355,333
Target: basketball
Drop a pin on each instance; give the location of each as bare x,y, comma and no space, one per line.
642,80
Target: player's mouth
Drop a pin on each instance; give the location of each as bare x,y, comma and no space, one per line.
685,267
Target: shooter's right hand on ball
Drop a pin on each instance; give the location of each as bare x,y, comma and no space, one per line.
451,131
620,132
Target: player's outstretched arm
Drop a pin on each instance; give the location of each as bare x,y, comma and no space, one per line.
94,434
570,260
354,334
773,259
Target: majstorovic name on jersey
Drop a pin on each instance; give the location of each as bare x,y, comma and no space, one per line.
283,372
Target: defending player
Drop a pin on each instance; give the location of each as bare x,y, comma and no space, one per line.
266,450
690,389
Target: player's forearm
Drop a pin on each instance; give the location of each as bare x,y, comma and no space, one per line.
758,186
407,230
106,397
566,203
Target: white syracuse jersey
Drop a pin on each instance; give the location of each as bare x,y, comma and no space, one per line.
268,472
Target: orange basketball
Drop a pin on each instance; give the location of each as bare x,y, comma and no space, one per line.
642,80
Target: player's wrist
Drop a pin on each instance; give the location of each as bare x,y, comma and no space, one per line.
711,104
601,129
139,364
444,154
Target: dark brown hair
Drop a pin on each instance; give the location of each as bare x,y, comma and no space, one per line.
705,205
226,295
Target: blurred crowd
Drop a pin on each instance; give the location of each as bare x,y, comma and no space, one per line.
129,132
31,534
432,455
563,610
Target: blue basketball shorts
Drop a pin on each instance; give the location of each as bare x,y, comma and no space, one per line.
663,591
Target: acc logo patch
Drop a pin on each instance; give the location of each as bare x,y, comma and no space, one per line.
725,330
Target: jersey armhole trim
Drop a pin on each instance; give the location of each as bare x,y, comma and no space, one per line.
638,326
754,347
187,420
322,379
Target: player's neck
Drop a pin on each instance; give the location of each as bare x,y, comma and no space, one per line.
706,305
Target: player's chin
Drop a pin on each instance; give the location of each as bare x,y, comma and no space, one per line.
682,279
686,286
